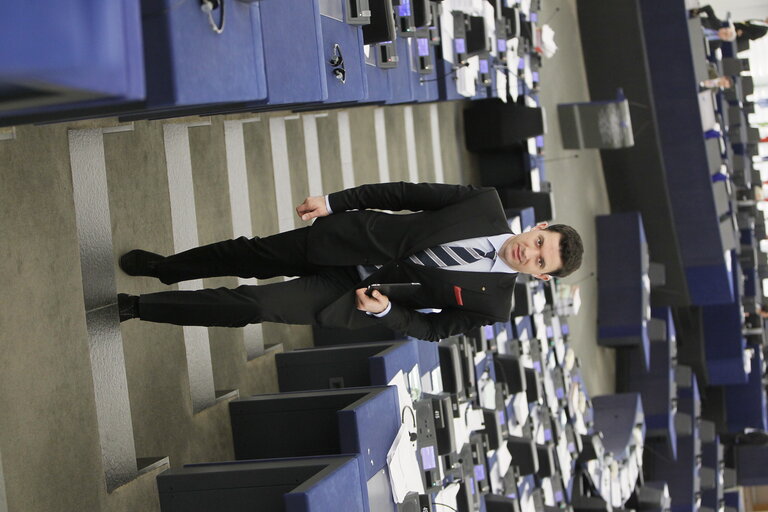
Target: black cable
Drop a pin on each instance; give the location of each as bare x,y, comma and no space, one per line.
446,506
413,415
446,75
557,10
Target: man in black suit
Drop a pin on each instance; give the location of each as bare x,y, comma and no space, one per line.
741,30
350,246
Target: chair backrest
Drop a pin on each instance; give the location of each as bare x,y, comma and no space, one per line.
598,124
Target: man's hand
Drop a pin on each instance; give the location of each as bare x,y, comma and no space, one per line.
313,206
376,303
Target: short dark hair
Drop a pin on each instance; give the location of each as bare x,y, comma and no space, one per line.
571,249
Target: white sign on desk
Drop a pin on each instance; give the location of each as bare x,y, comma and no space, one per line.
403,395
447,496
380,493
501,85
707,110
466,83
404,472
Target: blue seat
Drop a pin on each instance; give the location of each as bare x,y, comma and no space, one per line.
596,124
361,421
304,484
63,55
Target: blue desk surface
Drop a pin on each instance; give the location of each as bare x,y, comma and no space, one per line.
746,403
675,51
188,64
616,416
299,41
724,344
74,51
623,261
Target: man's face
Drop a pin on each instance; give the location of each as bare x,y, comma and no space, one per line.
536,252
726,34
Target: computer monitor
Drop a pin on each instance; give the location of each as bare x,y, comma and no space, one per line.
382,26
477,42
422,13
450,367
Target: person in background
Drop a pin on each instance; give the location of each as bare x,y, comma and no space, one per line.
738,31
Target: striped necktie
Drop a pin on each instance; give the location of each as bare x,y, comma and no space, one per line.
450,255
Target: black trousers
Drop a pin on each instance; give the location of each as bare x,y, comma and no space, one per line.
296,301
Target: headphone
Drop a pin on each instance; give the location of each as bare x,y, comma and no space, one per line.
208,6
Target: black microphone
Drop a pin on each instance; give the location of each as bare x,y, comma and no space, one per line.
559,158
557,10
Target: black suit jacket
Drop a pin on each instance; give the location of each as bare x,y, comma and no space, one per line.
442,214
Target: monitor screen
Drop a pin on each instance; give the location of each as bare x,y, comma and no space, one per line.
404,9
382,26
423,45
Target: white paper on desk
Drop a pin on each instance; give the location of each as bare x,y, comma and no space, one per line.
466,83
437,380
414,383
521,408
707,110
532,149
460,428
426,383
535,180
380,493
528,73
526,498
447,496
547,41
549,494
489,20
475,420
487,392
564,459
446,35
501,85
403,396
404,472
504,459
497,482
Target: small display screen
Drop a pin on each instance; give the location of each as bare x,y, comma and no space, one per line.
428,458
461,45
423,44
404,9
479,472
484,66
535,76
501,44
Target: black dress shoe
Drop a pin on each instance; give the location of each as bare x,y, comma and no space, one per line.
127,306
140,263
